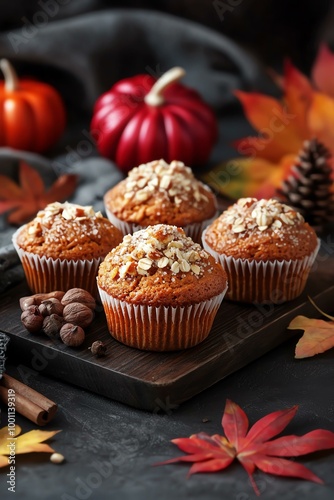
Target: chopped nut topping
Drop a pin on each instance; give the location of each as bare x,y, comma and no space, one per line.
159,247
250,214
175,181
68,211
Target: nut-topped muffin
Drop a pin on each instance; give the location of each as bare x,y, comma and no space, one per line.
161,193
160,290
266,248
63,245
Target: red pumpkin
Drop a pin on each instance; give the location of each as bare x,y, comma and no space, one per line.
141,119
32,114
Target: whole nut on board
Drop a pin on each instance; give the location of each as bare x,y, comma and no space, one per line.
79,295
51,306
38,298
98,348
72,335
32,319
26,302
78,314
52,325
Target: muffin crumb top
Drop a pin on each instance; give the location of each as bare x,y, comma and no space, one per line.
252,214
158,192
175,181
261,230
69,231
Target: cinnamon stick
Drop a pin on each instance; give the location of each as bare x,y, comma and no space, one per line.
28,402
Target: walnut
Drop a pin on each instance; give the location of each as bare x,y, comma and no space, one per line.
79,295
72,335
78,314
32,319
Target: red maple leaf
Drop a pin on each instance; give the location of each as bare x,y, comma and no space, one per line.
25,200
254,448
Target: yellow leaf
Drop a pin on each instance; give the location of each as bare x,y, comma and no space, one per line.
3,461
4,432
26,443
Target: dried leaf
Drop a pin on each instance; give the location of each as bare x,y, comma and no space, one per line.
305,111
254,448
25,200
318,334
26,443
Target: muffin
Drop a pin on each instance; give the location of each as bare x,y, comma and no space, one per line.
160,290
159,193
266,248
63,245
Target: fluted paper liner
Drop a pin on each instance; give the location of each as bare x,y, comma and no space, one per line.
159,328
194,231
258,282
45,274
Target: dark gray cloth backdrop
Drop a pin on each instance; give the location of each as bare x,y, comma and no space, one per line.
83,47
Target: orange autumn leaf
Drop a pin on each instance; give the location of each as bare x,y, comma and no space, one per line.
29,442
23,201
304,111
318,334
322,71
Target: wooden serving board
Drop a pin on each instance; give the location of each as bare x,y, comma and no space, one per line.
161,381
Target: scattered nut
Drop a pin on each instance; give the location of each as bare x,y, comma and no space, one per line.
26,302
61,315
51,306
38,298
78,314
57,458
52,325
32,319
98,348
72,335
79,295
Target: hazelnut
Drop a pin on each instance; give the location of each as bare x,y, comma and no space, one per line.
52,325
98,348
72,335
51,306
32,319
78,314
79,295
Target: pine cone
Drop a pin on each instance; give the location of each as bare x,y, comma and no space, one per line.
308,188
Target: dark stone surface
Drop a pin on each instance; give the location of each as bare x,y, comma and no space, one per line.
110,448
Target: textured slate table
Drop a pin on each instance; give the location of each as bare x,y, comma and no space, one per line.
110,448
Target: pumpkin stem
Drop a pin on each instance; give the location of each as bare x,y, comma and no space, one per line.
155,95
11,79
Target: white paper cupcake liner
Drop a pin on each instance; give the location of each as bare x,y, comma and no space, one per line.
159,328
44,274
258,282
194,231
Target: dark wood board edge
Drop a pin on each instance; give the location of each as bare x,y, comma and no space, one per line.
156,396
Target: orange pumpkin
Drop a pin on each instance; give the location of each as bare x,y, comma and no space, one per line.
32,113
